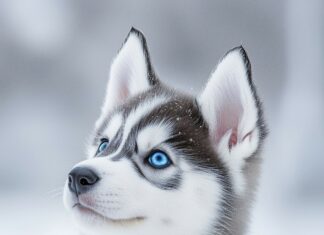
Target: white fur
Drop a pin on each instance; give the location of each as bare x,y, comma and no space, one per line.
114,125
152,135
128,74
227,104
137,114
122,188
234,158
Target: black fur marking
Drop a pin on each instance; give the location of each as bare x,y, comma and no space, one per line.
260,123
172,183
99,132
136,147
115,142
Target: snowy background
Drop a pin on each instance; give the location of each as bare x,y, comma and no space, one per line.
54,61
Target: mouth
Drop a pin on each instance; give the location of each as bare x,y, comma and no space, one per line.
88,211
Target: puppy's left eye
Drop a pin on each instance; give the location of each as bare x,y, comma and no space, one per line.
159,160
103,146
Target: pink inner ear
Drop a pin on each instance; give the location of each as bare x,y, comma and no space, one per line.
229,113
233,139
123,91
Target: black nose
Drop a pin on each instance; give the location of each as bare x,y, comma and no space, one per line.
81,179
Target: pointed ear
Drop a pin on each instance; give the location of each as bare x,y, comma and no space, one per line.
231,108
131,71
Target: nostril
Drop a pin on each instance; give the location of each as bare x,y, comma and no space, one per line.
81,179
70,179
71,183
84,181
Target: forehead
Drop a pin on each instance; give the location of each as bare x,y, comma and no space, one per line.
155,106
159,116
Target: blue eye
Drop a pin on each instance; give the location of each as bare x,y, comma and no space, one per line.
159,160
103,146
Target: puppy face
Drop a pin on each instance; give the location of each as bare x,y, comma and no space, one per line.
163,162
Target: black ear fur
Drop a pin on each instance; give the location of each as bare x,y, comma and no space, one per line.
260,123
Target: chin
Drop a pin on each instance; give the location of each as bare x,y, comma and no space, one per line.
91,217
90,221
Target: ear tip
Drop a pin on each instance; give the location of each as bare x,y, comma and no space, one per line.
244,55
240,50
133,29
136,32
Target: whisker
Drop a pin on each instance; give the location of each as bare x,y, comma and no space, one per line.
54,190
54,193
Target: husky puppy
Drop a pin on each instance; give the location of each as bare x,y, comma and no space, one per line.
162,162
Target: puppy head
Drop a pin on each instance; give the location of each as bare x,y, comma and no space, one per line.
163,162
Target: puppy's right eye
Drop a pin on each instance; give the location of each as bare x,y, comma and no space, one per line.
103,146
159,160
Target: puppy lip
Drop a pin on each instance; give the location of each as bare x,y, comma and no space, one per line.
76,204
122,221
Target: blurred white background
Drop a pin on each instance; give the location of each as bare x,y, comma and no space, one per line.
54,62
